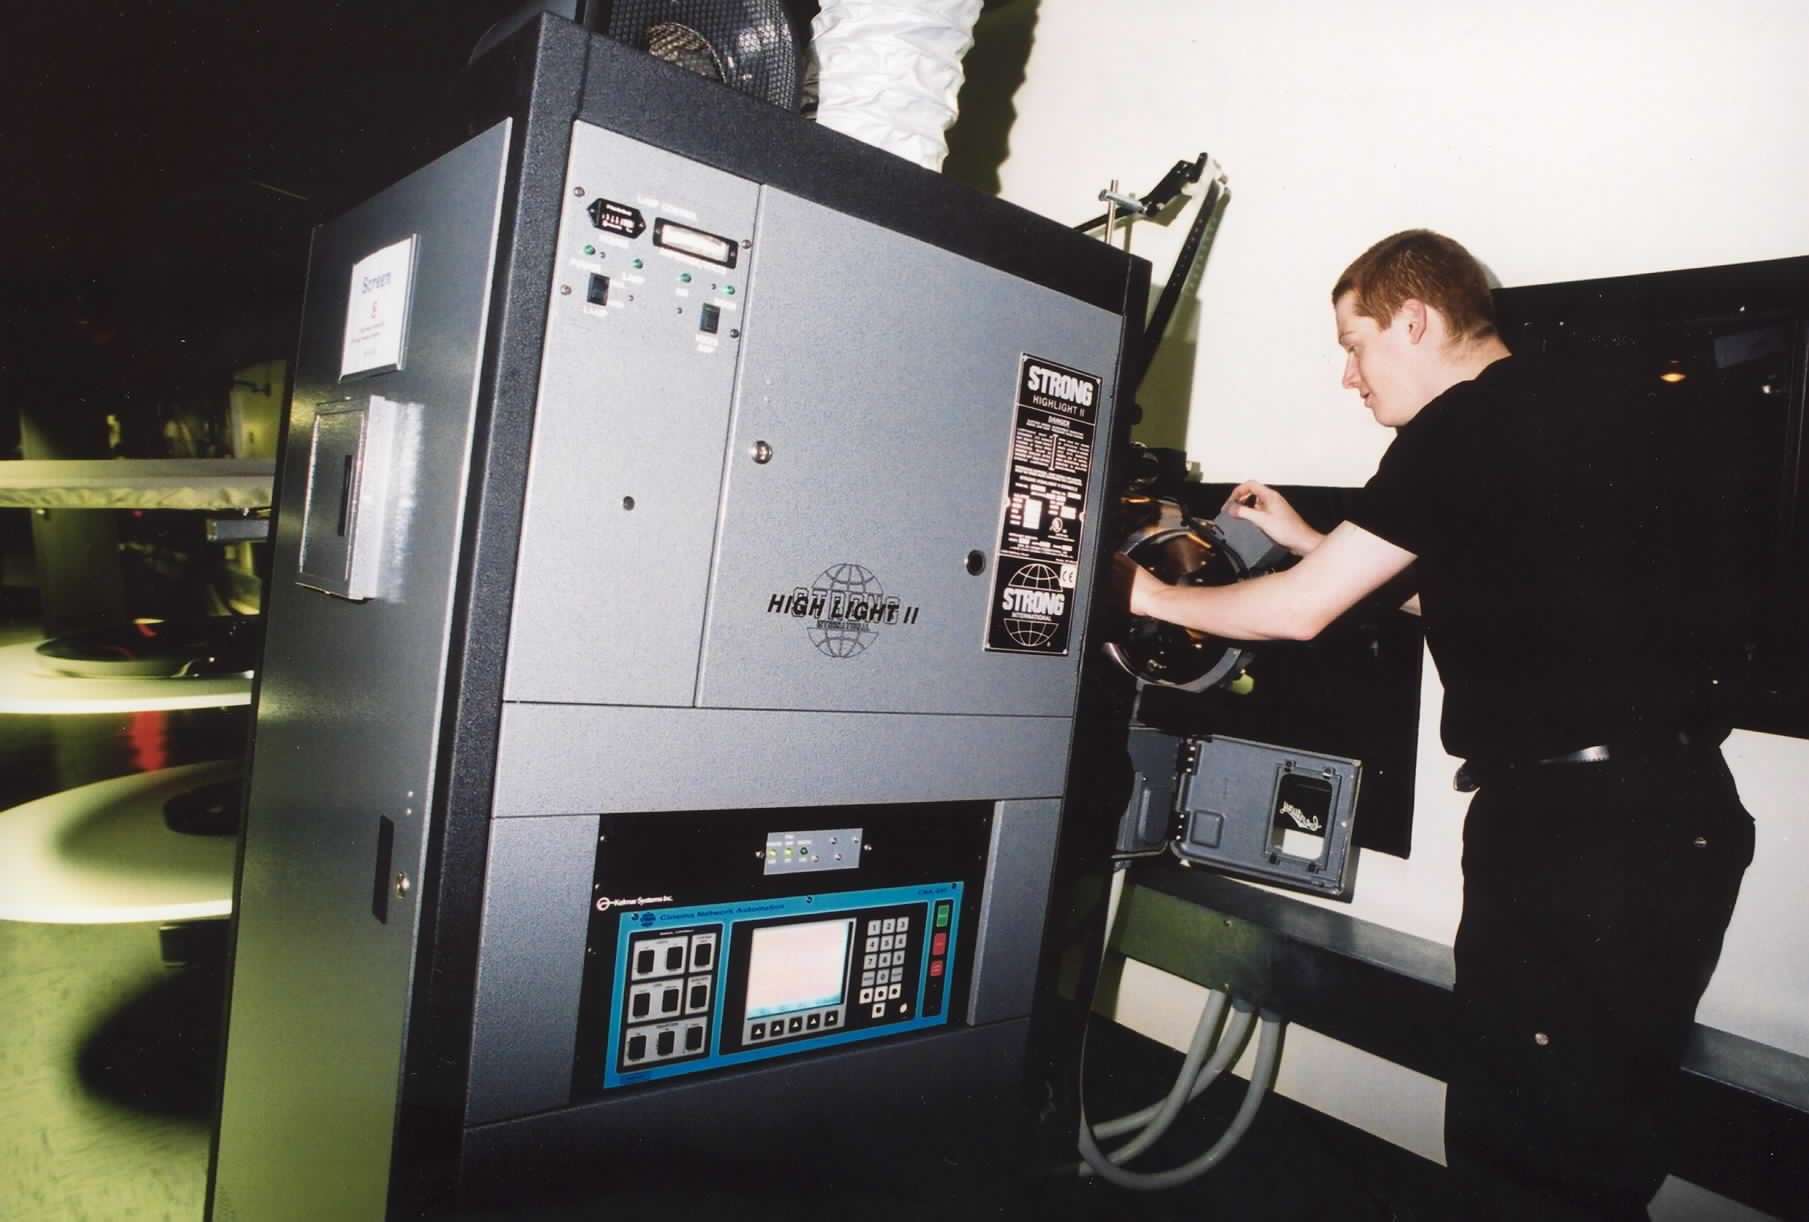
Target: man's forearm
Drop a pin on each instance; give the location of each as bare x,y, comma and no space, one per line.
1293,605
1256,610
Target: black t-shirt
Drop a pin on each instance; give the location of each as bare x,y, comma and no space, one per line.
1546,521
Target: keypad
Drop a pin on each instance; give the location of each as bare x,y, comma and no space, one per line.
672,980
887,946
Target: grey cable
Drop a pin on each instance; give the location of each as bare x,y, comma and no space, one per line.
1262,1079
1230,1047
1211,1015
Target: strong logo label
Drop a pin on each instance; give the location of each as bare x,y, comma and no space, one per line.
1044,510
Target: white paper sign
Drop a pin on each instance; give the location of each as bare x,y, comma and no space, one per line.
376,316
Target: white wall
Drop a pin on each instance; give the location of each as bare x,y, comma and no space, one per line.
1558,141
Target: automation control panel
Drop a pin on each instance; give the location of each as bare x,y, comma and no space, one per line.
725,938
726,984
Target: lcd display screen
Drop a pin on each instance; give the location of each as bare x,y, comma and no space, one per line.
694,242
797,967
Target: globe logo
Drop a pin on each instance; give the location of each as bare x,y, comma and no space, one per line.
1032,632
845,585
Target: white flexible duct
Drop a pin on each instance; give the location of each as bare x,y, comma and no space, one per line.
888,71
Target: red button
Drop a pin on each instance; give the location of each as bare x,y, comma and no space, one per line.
935,967
939,944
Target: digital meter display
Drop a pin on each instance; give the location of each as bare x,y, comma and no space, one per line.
670,235
797,967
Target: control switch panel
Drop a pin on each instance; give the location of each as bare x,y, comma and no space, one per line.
806,852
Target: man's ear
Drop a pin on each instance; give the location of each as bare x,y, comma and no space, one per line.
1412,317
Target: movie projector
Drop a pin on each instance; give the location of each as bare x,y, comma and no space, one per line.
1255,809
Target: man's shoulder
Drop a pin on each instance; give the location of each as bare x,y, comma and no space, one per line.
1549,400
1553,377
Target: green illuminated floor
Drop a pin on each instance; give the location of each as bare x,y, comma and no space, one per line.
101,1116
106,1056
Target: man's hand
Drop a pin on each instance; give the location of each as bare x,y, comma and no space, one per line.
1269,510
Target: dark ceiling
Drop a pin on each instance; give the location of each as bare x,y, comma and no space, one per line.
163,165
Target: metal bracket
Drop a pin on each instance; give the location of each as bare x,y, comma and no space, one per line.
237,530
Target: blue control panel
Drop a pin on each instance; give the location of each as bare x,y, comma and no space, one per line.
715,985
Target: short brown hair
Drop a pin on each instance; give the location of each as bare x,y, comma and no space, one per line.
1420,265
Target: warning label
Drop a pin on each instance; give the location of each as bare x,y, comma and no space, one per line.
1045,508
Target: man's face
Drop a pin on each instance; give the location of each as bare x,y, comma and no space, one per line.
1381,364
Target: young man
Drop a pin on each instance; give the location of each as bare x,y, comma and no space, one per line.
1604,849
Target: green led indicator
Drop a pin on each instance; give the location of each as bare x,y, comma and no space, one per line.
684,277
941,916
729,289
637,262
590,250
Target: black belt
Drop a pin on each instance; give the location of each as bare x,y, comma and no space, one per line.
1473,774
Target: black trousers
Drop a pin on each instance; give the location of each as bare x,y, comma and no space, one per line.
1595,900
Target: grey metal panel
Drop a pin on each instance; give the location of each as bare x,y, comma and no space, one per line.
1018,868
634,403
531,966
565,759
882,372
1156,759
1232,799
955,1083
347,724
